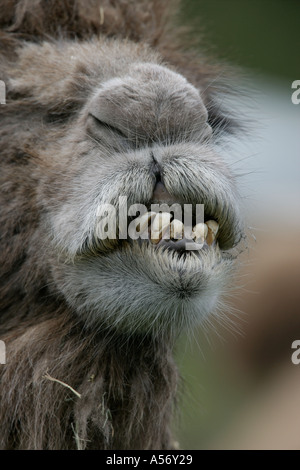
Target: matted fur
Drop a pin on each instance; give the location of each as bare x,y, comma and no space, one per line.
114,351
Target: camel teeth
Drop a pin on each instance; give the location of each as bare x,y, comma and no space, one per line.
144,221
213,228
200,232
159,226
176,230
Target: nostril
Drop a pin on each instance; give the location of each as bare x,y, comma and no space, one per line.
156,169
157,172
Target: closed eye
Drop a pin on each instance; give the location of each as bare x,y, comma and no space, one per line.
109,127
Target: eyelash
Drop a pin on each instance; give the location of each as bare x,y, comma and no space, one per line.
109,127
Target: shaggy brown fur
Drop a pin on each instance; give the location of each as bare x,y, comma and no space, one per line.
126,386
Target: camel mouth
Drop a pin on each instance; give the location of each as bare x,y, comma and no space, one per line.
179,229
163,230
175,223
187,246
163,235
160,229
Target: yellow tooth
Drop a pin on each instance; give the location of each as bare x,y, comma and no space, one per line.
144,221
199,233
213,228
176,230
160,224
161,219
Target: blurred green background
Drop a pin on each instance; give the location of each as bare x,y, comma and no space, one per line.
262,35
236,387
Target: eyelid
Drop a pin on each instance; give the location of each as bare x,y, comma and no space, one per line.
108,126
